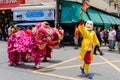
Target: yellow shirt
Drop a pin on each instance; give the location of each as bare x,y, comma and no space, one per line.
89,41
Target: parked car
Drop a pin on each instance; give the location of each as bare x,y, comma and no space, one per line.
25,25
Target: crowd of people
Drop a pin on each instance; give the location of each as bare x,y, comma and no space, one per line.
107,37
5,31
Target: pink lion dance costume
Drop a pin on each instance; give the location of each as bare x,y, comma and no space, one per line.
53,40
19,44
41,42
24,45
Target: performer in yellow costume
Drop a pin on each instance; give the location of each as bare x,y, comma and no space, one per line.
89,42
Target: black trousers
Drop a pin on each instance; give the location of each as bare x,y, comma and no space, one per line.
96,48
3,35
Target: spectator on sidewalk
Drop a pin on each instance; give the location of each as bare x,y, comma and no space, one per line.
106,36
3,32
97,47
61,31
76,37
0,34
118,38
102,35
111,38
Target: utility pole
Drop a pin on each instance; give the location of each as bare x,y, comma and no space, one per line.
118,7
56,13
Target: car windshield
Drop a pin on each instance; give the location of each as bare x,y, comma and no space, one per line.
25,25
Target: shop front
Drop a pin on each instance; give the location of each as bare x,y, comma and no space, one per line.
70,16
5,10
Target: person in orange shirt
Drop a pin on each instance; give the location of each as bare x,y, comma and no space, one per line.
76,37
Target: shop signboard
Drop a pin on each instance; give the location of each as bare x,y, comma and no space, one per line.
34,15
19,15
10,3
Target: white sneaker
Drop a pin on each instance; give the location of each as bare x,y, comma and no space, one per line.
37,66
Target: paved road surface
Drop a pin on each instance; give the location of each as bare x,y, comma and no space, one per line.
64,65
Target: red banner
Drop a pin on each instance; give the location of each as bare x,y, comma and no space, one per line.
22,1
10,3
85,6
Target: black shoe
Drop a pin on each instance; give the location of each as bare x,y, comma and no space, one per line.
110,50
113,50
75,48
101,54
95,53
44,60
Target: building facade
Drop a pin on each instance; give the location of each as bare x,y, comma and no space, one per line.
106,5
33,2
119,7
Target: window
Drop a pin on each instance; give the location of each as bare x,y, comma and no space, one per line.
88,0
85,0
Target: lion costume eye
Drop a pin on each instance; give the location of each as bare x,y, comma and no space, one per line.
41,33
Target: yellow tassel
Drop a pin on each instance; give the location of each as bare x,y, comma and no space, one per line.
3,11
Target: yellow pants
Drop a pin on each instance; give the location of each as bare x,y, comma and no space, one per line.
86,67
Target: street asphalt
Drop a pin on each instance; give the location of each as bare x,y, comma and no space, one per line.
64,65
